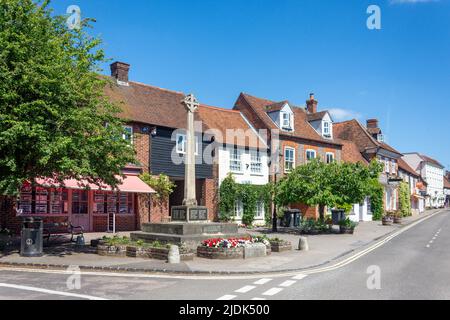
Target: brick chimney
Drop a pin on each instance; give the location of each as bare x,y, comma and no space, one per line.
372,123
311,104
119,70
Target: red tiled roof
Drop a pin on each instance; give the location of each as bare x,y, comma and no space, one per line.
352,130
406,167
350,152
446,183
226,119
317,115
148,104
302,128
431,160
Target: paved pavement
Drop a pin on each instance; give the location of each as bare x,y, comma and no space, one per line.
323,249
413,264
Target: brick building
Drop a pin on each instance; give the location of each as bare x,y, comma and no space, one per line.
304,134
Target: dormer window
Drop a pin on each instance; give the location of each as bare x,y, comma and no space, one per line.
380,137
286,122
326,129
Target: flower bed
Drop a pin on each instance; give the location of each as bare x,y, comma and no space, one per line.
232,248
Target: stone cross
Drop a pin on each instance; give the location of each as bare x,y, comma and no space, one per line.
190,199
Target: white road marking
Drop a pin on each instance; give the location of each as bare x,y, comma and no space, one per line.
272,292
52,292
300,277
428,246
259,299
245,289
262,281
227,297
288,283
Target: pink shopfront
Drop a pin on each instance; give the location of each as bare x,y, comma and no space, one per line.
95,209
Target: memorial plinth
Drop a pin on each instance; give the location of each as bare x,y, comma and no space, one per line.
186,233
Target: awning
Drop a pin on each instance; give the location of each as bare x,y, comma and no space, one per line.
128,184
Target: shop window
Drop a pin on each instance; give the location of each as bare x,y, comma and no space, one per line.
79,202
42,201
111,202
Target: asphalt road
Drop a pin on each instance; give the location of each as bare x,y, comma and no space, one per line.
413,265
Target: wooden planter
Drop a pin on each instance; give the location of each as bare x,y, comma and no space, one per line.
398,220
220,253
346,230
281,246
159,253
386,222
112,251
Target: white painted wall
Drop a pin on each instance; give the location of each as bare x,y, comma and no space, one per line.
434,176
246,175
360,212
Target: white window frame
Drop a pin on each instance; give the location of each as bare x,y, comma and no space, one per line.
235,164
329,154
255,162
238,209
286,170
310,151
260,210
131,133
183,150
326,132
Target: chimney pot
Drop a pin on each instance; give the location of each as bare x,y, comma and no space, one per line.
311,104
372,123
120,70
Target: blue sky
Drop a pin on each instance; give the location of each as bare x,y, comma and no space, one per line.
286,49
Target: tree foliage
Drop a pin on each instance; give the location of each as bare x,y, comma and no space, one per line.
161,184
404,198
54,118
250,195
332,185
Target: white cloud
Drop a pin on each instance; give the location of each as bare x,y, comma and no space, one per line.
411,1
343,114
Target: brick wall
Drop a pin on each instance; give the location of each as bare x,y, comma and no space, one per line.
8,217
141,142
307,212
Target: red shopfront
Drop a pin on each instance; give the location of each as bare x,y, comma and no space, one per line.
95,209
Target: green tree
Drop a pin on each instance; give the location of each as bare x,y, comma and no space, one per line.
54,118
404,198
310,184
335,184
161,184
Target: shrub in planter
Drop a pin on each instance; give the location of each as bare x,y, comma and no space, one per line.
280,245
347,226
115,246
387,219
398,217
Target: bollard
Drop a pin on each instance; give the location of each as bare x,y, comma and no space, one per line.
303,244
174,254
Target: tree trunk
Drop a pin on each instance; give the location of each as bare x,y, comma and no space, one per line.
274,219
322,212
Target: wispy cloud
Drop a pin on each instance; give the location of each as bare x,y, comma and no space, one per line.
344,114
411,1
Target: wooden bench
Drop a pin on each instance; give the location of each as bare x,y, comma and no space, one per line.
60,229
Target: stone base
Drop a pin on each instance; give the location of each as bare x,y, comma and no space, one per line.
188,234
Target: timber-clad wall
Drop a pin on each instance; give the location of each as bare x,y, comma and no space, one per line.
161,161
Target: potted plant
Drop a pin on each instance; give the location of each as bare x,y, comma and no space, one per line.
347,226
397,217
387,219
